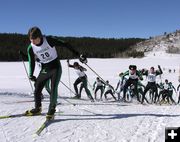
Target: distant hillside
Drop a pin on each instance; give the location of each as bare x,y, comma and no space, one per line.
169,43
10,44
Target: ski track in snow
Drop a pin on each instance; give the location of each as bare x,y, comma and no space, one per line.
147,128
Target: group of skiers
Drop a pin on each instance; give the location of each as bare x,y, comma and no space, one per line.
130,85
42,49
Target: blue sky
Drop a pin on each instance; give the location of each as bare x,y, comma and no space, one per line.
91,18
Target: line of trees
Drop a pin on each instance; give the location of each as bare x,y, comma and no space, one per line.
10,44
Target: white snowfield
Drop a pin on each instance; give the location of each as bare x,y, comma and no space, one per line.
87,121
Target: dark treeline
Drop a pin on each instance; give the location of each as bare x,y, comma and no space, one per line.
10,44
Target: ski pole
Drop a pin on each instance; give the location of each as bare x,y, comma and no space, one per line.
68,87
95,72
69,102
69,79
179,74
70,91
26,72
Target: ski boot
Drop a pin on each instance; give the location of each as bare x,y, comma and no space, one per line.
34,111
50,114
76,97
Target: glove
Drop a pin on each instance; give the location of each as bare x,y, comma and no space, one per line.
37,59
83,59
32,78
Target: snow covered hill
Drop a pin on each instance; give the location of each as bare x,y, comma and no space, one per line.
166,43
87,122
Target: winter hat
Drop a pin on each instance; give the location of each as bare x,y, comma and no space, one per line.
132,67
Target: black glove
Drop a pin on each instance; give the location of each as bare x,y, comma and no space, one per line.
37,59
83,59
32,78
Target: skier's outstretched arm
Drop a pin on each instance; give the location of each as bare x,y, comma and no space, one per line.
54,41
69,65
160,70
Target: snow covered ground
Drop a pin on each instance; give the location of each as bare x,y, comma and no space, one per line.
87,121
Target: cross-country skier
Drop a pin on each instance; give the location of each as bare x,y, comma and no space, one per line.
134,76
98,85
109,90
151,76
168,92
82,78
44,49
